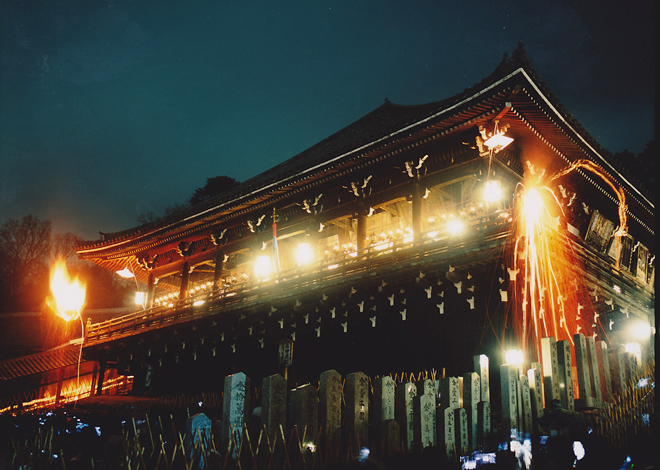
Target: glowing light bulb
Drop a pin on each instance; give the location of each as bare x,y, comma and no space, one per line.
263,267
455,226
498,142
304,254
492,191
125,273
514,357
640,330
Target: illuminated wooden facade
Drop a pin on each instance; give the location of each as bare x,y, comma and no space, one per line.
367,252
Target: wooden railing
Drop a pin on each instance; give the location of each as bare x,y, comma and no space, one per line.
631,412
481,237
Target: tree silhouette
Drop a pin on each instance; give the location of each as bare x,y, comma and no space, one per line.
641,166
214,186
24,254
646,164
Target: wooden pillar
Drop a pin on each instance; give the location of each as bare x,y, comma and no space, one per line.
94,378
151,288
361,227
185,276
219,265
60,380
99,384
416,212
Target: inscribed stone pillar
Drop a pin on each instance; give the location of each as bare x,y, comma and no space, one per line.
481,365
526,399
550,370
509,388
306,413
583,370
357,407
388,432
198,426
535,377
235,406
382,407
471,399
424,420
449,393
483,422
427,387
404,411
593,367
446,427
604,370
273,404
617,370
330,409
461,430
565,375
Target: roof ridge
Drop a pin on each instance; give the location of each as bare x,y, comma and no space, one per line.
344,139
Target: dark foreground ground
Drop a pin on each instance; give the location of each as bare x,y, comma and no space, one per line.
121,432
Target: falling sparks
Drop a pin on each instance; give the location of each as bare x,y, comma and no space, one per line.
541,290
68,295
548,268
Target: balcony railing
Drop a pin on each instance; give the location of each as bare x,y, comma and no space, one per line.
479,238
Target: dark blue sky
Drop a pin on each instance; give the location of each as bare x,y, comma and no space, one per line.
113,108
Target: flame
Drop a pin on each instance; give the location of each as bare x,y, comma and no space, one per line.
68,294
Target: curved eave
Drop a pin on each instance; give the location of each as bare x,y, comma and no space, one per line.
532,108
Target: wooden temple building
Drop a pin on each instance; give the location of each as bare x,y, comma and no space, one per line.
379,249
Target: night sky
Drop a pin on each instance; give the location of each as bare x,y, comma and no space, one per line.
109,109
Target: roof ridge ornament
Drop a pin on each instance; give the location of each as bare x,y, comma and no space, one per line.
519,56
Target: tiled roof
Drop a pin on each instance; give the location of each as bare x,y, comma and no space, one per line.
358,138
52,359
